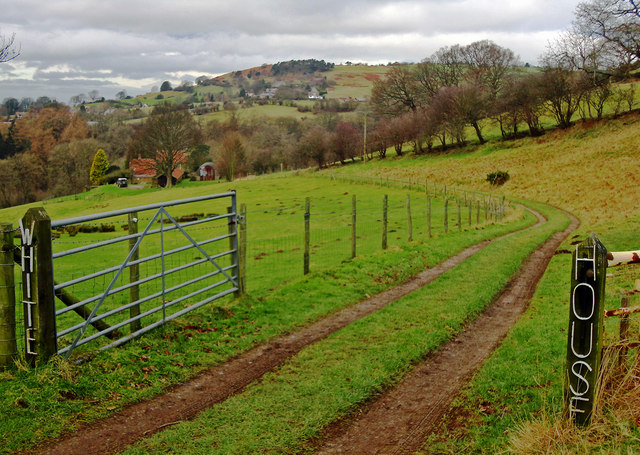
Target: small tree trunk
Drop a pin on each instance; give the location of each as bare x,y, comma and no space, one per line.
478,132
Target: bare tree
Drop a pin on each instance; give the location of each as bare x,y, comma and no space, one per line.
314,145
450,65
520,101
563,89
168,135
8,49
616,23
396,93
488,65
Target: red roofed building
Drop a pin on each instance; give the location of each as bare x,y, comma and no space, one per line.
145,170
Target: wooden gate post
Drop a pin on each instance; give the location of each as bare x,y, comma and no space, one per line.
584,344
134,274
37,279
8,344
446,215
353,226
429,215
409,220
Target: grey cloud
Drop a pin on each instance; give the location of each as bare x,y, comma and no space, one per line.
138,40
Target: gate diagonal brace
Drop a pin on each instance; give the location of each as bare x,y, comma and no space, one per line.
177,225
113,281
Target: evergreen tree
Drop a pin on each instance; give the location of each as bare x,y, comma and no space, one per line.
98,167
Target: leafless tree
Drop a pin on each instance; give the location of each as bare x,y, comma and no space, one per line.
168,135
616,24
8,49
488,65
450,65
563,89
396,93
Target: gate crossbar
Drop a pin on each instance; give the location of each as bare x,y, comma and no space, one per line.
169,318
139,261
99,216
124,238
148,298
140,281
94,336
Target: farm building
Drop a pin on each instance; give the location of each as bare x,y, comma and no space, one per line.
207,171
144,171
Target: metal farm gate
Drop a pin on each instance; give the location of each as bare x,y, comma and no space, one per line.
119,274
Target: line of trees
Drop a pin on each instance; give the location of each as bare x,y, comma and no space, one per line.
465,86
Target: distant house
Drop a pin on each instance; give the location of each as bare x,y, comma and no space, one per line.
314,94
268,93
207,171
144,171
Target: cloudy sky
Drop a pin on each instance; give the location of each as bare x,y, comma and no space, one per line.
70,47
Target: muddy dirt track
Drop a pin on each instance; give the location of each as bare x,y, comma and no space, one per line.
404,409
400,420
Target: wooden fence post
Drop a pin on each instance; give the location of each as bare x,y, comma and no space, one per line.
409,220
584,345
242,250
429,215
446,215
478,213
37,279
624,335
307,234
470,206
134,275
385,201
459,216
353,226
8,344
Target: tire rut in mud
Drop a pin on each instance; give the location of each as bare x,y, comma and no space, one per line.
400,420
185,401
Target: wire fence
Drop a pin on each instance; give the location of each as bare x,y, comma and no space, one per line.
284,240
276,237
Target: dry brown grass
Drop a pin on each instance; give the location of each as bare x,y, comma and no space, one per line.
592,169
616,413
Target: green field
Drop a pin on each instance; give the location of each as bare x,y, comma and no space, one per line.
275,239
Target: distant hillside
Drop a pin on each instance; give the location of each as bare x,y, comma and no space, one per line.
297,79
282,69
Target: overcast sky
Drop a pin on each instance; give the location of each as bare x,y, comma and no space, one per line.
70,47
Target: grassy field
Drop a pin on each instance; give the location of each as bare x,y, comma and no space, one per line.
354,81
59,396
328,380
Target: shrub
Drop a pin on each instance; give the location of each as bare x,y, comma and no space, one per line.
498,178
